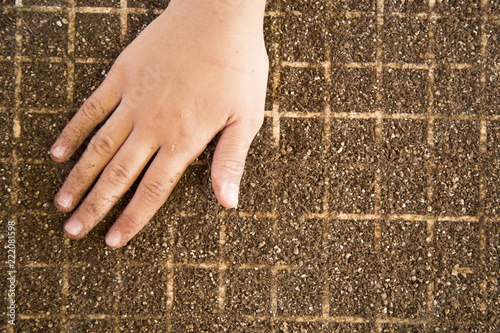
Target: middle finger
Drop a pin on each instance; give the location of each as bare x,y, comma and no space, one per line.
115,180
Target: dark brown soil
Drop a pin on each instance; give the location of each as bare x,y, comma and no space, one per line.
370,200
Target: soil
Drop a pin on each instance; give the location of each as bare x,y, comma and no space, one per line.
370,200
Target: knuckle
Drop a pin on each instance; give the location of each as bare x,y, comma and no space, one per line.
233,167
92,109
118,174
92,209
102,144
256,122
131,223
154,191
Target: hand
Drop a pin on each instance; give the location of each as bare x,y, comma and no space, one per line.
189,75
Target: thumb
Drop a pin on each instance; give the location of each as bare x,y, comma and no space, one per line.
229,161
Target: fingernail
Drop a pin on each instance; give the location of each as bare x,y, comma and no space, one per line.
57,151
230,192
64,200
73,227
113,238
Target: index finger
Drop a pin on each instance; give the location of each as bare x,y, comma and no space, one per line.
93,111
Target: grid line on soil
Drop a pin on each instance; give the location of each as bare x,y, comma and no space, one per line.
66,265
325,301
17,127
378,144
430,142
482,146
276,114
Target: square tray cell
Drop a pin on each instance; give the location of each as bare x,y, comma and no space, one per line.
416,6
196,239
7,83
353,89
300,149
41,238
457,91
97,36
456,247
45,34
353,293
491,94
458,39
405,173
153,241
247,292
195,299
148,4
408,47
299,293
457,297
91,325
92,247
7,32
305,39
93,289
194,192
38,184
42,129
404,247
350,247
401,297
44,85
249,240
88,77
352,166
405,91
6,133
455,178
143,289
302,89
353,39
38,325
491,171
44,282
462,7
299,241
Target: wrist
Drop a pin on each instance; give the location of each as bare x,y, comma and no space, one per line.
236,16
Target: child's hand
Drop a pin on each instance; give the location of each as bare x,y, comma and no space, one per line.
192,73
